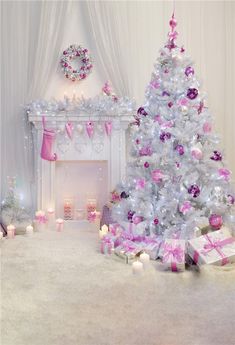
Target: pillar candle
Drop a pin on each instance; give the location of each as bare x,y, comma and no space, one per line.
51,217
103,231
144,258
59,224
137,267
11,231
29,230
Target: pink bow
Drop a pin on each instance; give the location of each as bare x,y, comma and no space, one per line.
175,253
41,219
127,246
217,245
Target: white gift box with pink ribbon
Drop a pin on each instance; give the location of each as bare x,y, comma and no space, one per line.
214,248
173,254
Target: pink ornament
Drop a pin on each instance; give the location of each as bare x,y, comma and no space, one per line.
146,151
156,221
158,119
185,207
108,128
207,127
90,128
157,175
137,219
183,101
155,84
140,183
197,153
69,129
216,221
146,165
224,173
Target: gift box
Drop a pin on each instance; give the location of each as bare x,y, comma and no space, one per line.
116,229
202,227
149,245
214,248
107,244
173,254
128,250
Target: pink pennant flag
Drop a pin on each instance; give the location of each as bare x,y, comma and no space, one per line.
69,129
90,128
108,128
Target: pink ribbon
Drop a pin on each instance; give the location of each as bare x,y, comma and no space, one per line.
41,219
214,245
175,253
127,246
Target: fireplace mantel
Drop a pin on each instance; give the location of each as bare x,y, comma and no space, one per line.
114,149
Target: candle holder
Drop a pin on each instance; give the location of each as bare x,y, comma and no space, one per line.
68,209
91,205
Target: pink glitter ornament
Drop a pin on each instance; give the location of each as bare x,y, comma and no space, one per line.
224,173
137,219
157,175
140,183
156,221
146,164
216,221
197,153
207,127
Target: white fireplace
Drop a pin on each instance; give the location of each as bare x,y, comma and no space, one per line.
86,168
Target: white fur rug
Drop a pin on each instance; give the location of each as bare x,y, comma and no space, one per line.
57,289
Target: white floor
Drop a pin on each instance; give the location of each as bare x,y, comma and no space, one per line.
57,289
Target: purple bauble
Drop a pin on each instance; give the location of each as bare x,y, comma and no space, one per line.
216,156
170,104
180,149
165,93
164,136
141,111
189,71
192,93
194,190
156,221
146,164
124,195
130,215
231,199
216,221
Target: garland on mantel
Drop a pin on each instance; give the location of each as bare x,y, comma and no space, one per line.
97,106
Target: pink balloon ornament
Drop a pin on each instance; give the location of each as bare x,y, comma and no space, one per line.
216,221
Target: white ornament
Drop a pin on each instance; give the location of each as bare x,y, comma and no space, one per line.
80,128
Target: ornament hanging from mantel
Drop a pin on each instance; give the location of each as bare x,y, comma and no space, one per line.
79,122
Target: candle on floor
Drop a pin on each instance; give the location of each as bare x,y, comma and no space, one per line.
144,258
137,267
11,231
103,231
59,224
29,230
51,217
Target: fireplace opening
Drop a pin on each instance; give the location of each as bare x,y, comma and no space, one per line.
78,183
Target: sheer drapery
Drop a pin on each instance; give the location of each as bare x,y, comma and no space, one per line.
31,38
127,35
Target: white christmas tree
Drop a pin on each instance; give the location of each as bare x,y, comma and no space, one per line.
177,176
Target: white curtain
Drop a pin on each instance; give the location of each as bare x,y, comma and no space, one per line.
31,35
126,36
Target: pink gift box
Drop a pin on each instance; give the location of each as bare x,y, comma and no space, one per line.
214,248
107,244
150,245
128,250
173,254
